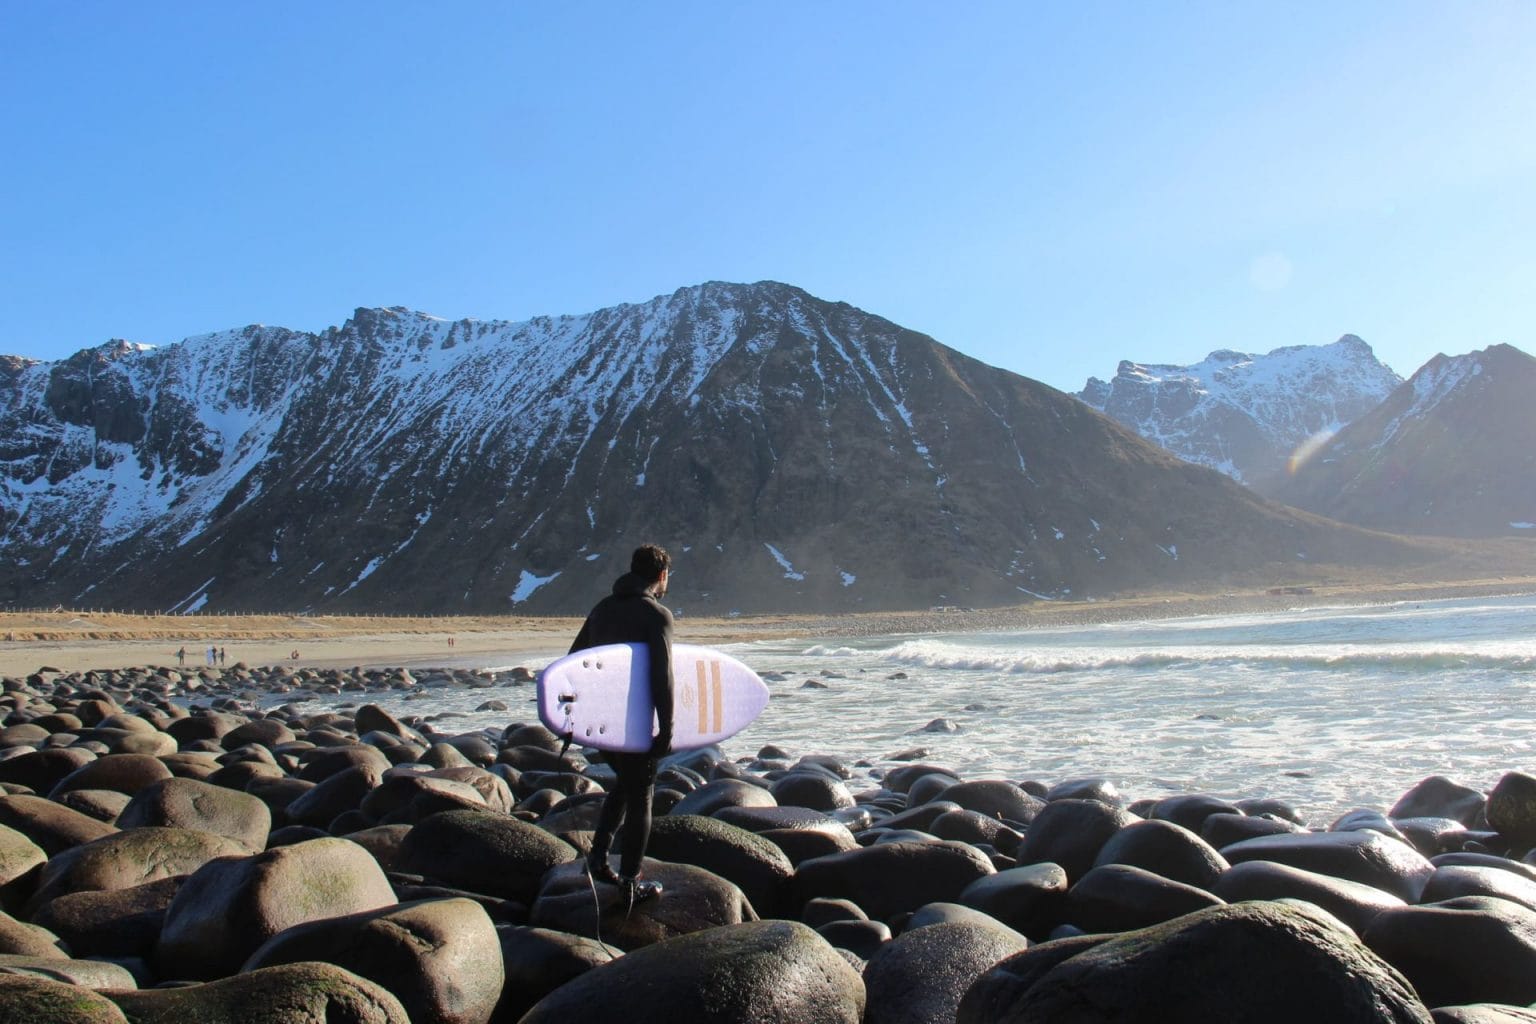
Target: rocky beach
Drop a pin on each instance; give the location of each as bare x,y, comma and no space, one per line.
268,844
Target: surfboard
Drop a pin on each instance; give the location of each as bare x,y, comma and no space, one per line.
601,697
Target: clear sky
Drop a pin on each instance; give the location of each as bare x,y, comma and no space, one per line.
1050,187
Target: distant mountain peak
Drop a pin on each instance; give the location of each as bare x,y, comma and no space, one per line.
1244,413
1445,453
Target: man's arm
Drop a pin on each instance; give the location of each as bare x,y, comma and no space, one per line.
660,644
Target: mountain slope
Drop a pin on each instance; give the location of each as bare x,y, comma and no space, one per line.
795,454
1448,453
1246,414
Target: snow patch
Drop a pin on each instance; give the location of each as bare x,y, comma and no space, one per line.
784,563
528,583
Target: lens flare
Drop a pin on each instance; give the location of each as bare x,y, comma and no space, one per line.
1308,448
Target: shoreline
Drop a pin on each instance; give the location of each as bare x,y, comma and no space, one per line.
70,641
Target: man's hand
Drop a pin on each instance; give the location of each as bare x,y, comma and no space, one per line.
661,746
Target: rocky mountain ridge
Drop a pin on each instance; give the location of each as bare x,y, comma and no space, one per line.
1246,414
796,455
1447,453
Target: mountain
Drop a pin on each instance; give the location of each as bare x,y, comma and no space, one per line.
795,454
1246,414
1448,453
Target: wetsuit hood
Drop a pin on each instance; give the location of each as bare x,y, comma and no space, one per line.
631,585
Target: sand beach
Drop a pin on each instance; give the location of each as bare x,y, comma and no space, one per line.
74,640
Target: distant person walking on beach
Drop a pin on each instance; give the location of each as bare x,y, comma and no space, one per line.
222,657
181,657
633,613
213,656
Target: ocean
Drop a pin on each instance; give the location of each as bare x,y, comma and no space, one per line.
1330,709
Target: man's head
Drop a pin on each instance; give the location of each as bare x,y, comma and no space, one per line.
650,562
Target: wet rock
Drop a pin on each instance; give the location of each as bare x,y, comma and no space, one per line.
1475,949
721,793
1029,899
1511,808
899,780
1191,809
273,995
1354,903
921,975
757,971
812,790
1451,881
755,865
1439,797
1433,836
976,828
929,788
440,958
1165,849
1225,829
1070,833
1095,788
994,994
861,938
895,878
1484,1013
229,907
1237,962
1367,857
995,798
1121,898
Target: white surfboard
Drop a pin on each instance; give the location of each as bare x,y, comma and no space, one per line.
601,697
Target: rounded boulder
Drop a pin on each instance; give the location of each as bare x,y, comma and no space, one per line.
229,907
922,974
440,958
1238,962
483,852
765,971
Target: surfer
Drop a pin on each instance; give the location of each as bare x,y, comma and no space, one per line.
633,613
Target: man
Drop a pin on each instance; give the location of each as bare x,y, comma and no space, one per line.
633,613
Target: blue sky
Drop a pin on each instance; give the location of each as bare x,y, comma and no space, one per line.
1048,187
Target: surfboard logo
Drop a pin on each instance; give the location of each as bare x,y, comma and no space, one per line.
710,701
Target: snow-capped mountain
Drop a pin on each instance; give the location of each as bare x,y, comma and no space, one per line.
1450,453
794,454
1246,414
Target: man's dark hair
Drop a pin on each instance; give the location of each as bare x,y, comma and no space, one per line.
649,562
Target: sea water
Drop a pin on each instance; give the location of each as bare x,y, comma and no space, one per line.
1328,708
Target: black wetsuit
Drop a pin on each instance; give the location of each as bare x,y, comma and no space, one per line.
631,614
